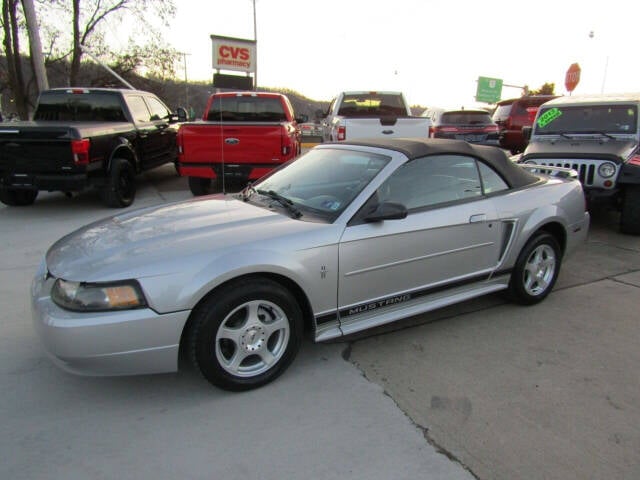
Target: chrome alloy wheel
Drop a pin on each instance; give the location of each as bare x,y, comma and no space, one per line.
539,270
252,338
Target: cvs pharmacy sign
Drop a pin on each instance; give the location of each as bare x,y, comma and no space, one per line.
233,54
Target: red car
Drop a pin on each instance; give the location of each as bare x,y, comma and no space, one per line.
513,114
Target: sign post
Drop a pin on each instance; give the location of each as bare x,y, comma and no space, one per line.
572,77
235,54
489,90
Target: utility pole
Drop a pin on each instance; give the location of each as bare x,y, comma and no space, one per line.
186,81
255,38
35,45
606,65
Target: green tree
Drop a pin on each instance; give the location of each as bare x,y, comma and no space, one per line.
545,89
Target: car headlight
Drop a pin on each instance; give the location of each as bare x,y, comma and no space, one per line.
97,297
607,170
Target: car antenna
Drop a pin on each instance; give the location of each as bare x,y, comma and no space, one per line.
224,190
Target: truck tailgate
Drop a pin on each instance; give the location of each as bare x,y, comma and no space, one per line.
33,149
386,127
209,142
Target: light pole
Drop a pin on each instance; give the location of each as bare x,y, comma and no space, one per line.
255,38
606,65
186,82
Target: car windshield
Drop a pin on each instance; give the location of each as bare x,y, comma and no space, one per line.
321,183
557,120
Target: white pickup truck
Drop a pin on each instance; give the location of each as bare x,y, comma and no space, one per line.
353,115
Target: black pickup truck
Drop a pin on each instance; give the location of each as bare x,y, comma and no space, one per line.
86,138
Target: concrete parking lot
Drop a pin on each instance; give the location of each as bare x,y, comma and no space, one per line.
484,390
542,392
322,419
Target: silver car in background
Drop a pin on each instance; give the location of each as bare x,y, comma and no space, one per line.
347,237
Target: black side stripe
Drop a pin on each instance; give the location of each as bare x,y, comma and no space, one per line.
326,318
404,297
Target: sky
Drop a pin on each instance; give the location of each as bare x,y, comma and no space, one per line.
433,51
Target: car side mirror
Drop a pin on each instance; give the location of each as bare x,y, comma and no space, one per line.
526,133
181,114
387,211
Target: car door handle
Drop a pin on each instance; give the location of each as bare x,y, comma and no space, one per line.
479,217
387,132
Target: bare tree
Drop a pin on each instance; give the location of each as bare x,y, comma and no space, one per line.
89,15
11,26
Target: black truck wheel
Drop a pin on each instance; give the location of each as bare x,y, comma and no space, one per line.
630,215
120,190
202,186
17,198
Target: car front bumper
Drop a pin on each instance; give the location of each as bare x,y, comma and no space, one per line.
127,342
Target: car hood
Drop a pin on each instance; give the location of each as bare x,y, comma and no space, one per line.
162,240
614,150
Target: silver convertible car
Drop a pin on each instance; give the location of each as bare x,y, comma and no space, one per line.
347,237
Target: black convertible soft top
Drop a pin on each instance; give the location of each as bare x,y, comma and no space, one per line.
513,174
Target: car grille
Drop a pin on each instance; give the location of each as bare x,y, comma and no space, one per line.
587,170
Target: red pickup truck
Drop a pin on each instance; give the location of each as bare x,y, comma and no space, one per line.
241,137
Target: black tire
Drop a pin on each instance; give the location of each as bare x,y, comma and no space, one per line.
17,197
246,334
202,186
120,190
630,214
536,270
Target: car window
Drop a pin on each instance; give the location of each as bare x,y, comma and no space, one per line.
465,118
82,106
501,113
518,108
158,110
138,108
372,104
491,181
428,181
244,108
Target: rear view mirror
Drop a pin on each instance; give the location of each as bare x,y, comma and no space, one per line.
181,113
387,211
